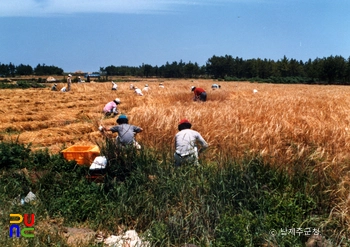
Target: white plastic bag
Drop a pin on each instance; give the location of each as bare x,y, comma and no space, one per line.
100,162
30,197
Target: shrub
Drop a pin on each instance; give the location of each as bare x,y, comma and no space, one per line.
22,84
13,154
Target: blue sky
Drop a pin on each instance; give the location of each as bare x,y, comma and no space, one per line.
89,34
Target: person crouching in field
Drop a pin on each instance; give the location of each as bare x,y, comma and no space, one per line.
54,87
114,86
215,86
112,107
146,88
138,91
186,150
126,132
199,94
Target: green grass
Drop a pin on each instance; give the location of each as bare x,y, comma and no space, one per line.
21,84
224,203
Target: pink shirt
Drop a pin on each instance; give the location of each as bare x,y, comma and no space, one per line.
109,106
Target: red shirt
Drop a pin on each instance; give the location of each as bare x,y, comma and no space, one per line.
197,91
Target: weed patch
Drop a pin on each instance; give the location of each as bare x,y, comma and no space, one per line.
236,204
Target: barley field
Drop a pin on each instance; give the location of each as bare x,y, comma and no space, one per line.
280,122
284,124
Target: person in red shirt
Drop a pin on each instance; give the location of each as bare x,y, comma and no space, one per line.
199,94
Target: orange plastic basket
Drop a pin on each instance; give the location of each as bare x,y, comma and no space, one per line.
83,155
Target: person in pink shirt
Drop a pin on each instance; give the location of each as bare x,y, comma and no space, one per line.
112,107
199,94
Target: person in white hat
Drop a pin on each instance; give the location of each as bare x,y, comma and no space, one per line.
215,86
69,82
112,107
146,88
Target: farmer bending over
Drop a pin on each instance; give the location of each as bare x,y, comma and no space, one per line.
126,132
54,87
138,91
114,86
215,86
146,88
186,150
199,94
111,107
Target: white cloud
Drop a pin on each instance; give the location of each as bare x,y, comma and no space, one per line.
59,7
49,7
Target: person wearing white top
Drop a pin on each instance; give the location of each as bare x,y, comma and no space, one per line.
186,140
146,88
138,91
69,82
114,86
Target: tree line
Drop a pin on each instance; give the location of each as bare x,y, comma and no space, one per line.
40,70
332,70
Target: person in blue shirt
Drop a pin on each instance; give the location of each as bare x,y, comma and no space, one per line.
126,132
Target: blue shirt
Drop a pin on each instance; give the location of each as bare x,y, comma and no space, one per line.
126,133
